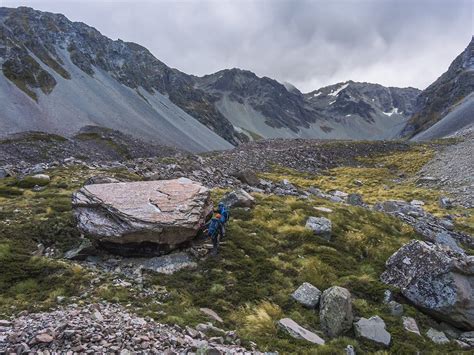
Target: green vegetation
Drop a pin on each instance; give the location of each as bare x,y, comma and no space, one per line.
267,254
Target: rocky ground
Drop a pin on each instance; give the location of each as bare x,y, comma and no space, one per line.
105,327
451,170
299,270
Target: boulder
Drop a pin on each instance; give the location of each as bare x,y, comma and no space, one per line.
298,332
355,200
336,311
168,264
163,213
247,177
437,337
372,329
409,324
435,279
238,198
307,294
34,180
320,226
468,338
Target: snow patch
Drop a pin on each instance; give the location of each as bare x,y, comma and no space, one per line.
394,111
332,102
337,91
317,94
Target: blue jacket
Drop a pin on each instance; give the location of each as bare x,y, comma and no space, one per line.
213,226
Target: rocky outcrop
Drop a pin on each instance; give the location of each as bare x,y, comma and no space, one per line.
372,329
320,226
166,213
436,279
336,311
298,332
307,294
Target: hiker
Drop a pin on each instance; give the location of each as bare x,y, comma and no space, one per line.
213,230
224,212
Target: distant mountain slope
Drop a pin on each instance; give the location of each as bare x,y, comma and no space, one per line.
68,75
59,76
442,99
263,107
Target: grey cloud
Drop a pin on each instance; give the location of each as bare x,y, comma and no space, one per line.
307,43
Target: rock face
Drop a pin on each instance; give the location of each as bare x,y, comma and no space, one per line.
336,311
372,329
298,332
307,294
320,226
166,213
435,279
238,198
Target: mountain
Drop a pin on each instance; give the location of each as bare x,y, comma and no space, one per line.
59,76
262,107
447,105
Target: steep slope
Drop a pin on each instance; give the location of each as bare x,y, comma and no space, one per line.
59,75
263,107
448,101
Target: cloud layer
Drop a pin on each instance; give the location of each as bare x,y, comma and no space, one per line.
307,43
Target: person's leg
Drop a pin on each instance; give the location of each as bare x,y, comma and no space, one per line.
215,243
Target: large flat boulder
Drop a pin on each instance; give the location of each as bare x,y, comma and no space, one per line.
165,212
298,332
436,279
372,329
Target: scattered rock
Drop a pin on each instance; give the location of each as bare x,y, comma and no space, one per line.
349,350
247,177
447,241
298,332
320,226
44,338
445,202
437,336
468,338
307,294
437,280
396,309
209,312
355,200
372,329
410,325
358,183
167,264
109,328
336,311
323,209
101,179
417,203
85,249
238,198
165,213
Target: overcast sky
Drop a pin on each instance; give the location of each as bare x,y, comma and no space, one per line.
307,43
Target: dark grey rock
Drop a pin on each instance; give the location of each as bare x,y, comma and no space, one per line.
320,226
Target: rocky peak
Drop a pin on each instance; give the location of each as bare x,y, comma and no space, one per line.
447,92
